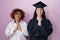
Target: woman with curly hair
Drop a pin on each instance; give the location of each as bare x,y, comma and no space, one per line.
17,29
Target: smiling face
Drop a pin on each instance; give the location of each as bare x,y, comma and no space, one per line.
17,16
39,11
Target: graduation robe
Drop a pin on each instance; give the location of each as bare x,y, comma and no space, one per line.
39,32
17,35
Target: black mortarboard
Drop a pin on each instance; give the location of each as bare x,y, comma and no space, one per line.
39,5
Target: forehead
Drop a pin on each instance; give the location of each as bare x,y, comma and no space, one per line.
39,8
18,12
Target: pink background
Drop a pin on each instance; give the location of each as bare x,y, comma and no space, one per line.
52,12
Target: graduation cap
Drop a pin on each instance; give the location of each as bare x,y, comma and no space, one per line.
39,5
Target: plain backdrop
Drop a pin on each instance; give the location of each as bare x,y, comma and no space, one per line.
52,12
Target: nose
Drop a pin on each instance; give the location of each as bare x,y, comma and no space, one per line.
40,12
17,15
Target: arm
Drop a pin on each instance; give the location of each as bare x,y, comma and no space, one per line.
47,30
29,27
8,30
25,29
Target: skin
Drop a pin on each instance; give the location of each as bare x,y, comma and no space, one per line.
17,20
39,12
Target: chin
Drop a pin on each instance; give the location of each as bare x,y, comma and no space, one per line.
39,15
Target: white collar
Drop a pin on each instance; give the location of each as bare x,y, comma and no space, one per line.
39,19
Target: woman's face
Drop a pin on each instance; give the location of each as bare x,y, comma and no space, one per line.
39,11
17,16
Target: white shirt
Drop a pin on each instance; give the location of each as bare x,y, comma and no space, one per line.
17,35
39,19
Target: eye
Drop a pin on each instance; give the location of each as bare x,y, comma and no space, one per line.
18,14
38,9
41,9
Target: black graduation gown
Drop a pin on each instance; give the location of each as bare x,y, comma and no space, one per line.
39,32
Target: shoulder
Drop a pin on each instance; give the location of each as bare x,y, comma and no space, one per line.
48,21
23,22
10,24
32,20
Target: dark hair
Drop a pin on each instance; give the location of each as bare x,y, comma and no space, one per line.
17,10
43,15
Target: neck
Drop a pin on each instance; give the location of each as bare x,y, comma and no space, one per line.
39,17
18,21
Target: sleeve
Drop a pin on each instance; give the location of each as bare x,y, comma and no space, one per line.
8,30
25,29
29,27
47,30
